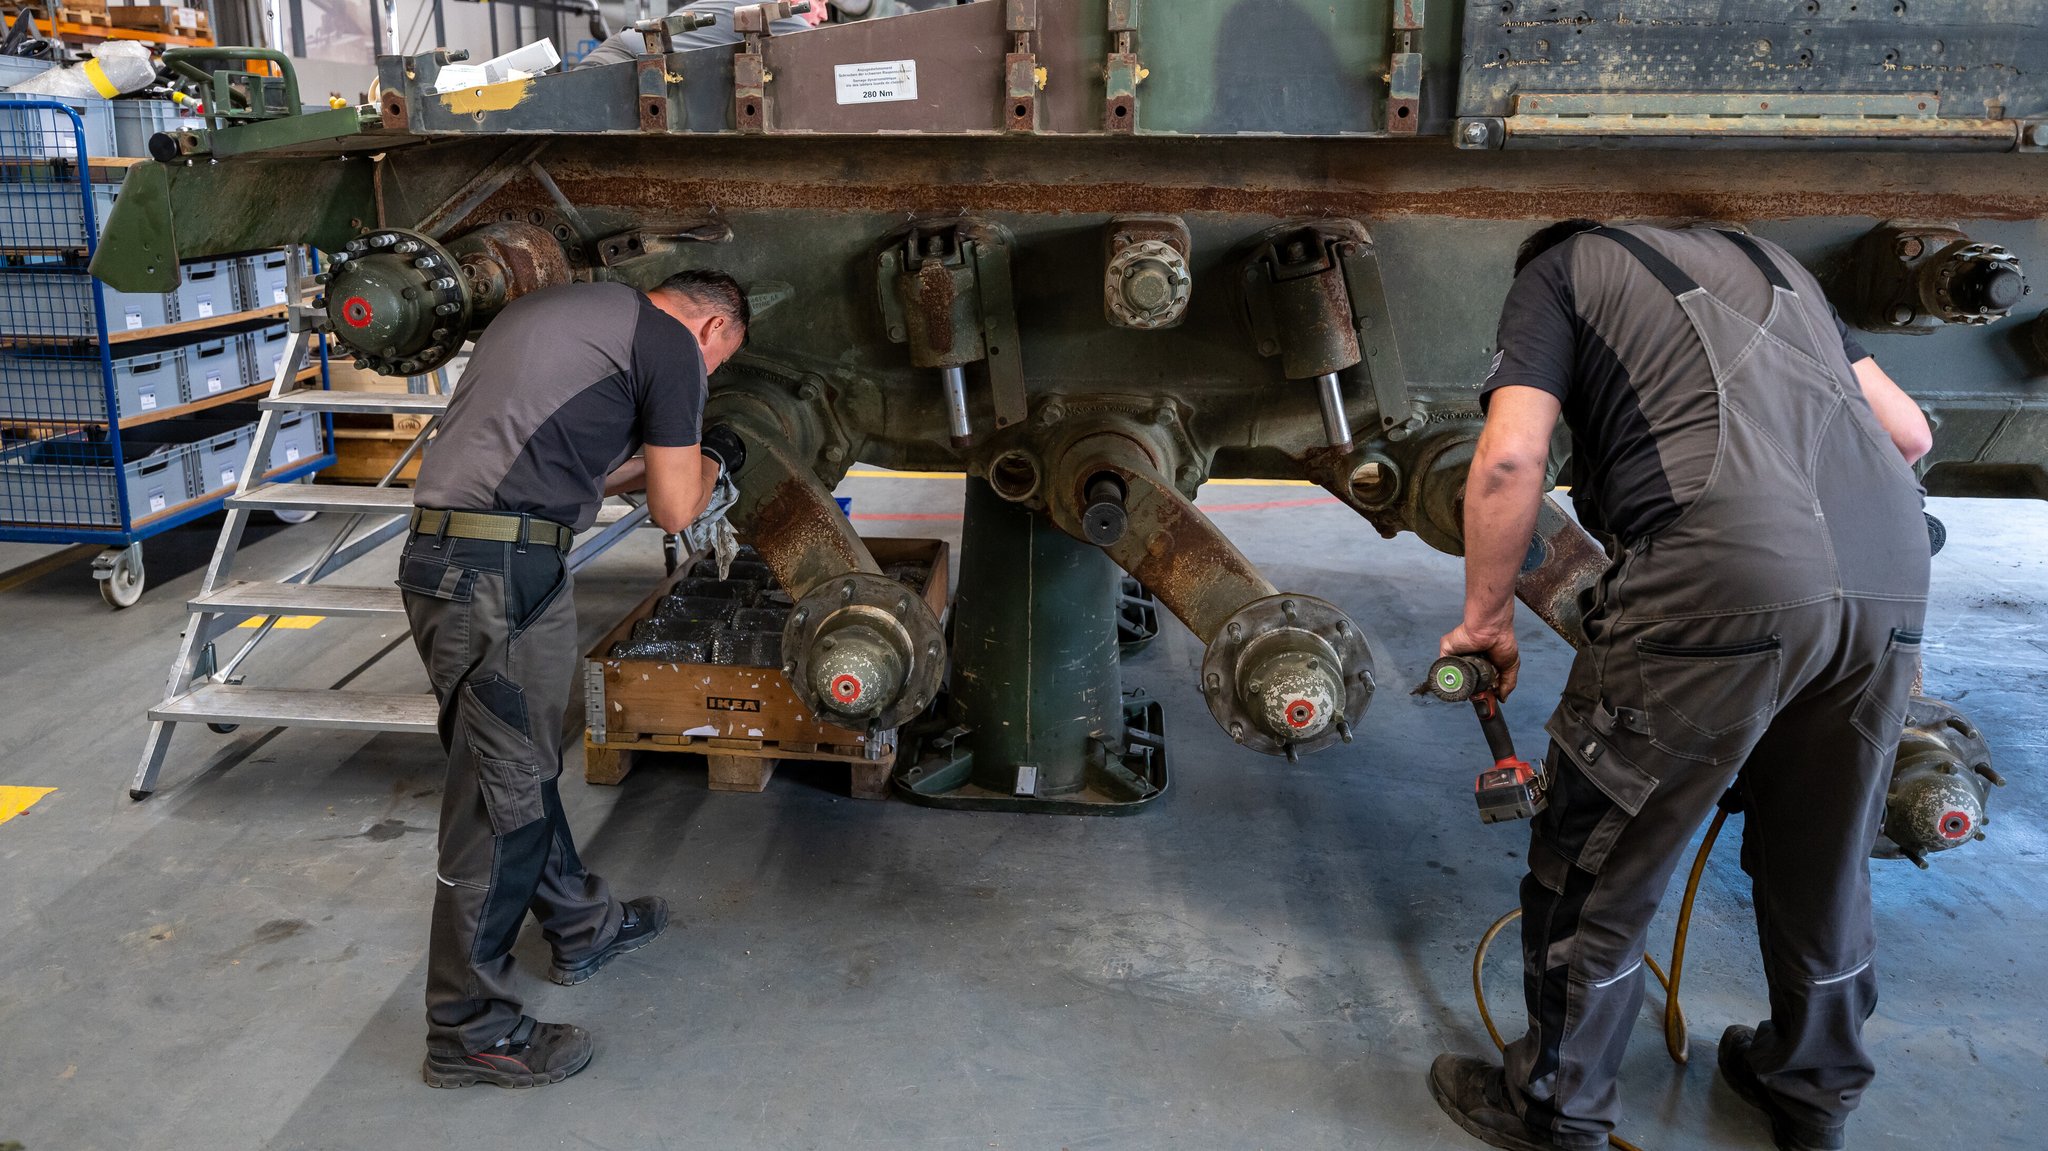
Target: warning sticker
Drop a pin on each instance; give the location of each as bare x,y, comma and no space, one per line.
877,83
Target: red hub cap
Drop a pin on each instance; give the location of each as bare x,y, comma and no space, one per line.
1955,825
1300,713
845,688
356,312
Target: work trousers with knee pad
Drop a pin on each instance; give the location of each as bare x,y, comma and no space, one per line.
1801,710
495,624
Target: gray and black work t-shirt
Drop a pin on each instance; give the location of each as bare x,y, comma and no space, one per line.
1586,322
627,44
563,387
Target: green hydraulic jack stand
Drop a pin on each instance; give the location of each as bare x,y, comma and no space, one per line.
1036,718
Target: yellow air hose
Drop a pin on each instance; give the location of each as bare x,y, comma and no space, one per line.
1674,1017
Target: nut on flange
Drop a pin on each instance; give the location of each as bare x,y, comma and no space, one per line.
1146,283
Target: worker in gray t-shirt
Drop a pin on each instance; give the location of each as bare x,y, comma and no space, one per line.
623,46
563,388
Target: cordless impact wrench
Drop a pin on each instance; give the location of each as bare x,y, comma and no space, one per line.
1513,787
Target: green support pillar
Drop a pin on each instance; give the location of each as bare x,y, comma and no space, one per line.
1036,716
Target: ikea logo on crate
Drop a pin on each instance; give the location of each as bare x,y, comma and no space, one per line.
731,703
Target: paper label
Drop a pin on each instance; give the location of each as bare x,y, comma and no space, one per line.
134,318
213,383
227,476
205,307
277,294
291,453
156,499
876,83
147,400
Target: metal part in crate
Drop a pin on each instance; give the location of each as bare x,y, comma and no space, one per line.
93,445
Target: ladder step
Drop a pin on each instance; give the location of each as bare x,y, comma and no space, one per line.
251,598
278,707
327,498
370,403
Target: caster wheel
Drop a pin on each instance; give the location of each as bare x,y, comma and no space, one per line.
120,576
296,516
222,728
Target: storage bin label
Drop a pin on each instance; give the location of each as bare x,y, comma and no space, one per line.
227,475
212,382
146,398
205,307
156,499
134,318
291,453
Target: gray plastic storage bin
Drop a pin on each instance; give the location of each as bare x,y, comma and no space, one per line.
70,482
213,368
221,458
264,347
298,438
45,133
266,279
68,388
135,121
39,303
15,69
209,288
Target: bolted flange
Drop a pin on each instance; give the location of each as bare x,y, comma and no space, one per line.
1288,674
864,651
390,304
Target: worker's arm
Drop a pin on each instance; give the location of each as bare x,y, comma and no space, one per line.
630,476
1896,412
679,483
1503,492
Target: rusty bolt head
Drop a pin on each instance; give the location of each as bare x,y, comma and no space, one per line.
1901,314
835,453
1910,247
1052,413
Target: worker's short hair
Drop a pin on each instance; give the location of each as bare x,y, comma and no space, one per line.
715,290
1548,237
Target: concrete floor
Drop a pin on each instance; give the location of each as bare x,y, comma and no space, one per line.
1269,958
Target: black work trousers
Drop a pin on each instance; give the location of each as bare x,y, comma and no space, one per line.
1806,704
495,624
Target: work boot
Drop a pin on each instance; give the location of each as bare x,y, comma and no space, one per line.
530,1055
1474,1093
641,920
1788,1133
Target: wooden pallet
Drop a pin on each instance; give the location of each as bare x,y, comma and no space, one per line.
366,445
172,19
741,765
85,17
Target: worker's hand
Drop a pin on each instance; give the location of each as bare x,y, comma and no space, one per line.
1496,643
724,445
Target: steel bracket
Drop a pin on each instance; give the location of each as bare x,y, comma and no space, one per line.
1377,340
1404,69
1122,70
750,75
1022,77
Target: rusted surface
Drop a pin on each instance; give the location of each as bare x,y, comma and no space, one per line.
935,299
798,530
511,259
1571,563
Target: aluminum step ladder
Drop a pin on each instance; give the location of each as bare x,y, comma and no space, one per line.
204,689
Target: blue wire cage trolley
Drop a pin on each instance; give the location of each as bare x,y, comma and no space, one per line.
124,415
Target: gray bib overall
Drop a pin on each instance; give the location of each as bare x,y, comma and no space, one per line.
1771,630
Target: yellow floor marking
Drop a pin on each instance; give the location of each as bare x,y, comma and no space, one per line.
883,474
42,567
287,622
15,800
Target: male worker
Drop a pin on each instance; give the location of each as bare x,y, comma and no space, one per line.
1747,465
563,387
626,45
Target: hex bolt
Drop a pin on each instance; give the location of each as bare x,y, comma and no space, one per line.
423,263
406,247
1253,686
1293,756
1236,631
1473,133
382,241
442,284
902,604
2037,135
1910,247
846,591
447,309
1237,732
800,617
931,650
1344,731
835,453
828,643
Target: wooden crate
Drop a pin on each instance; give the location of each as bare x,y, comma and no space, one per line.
170,19
362,454
742,719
